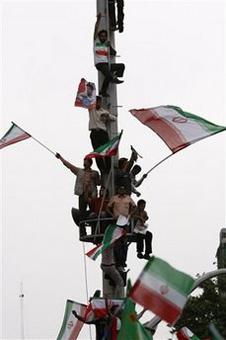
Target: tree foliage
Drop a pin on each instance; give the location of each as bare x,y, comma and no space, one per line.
200,310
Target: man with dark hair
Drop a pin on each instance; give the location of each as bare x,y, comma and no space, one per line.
85,185
134,183
103,52
122,173
142,234
99,119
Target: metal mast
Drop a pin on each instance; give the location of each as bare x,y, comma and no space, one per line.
111,104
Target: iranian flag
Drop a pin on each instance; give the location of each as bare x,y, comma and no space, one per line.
162,289
185,334
13,135
112,233
100,306
177,128
108,149
71,326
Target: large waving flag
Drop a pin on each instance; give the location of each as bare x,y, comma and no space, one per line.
131,328
185,334
13,135
86,95
177,128
71,326
162,289
112,233
108,149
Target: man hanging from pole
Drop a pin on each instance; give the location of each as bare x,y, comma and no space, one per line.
103,51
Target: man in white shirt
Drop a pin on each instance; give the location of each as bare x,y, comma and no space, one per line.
99,118
103,52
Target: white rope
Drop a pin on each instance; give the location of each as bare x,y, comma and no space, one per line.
86,281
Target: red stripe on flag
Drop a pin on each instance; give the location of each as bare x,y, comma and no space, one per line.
102,53
172,137
149,299
93,251
181,335
14,140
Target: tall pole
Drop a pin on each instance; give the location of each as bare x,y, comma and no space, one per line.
111,104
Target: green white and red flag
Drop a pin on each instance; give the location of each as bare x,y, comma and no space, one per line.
177,128
185,334
112,233
162,289
108,149
13,135
100,307
71,326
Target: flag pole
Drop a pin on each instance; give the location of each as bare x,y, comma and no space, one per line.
155,166
44,146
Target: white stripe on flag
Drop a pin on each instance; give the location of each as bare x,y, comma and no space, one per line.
162,288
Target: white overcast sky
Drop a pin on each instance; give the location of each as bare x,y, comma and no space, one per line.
174,52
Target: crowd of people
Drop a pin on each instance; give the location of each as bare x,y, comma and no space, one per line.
96,207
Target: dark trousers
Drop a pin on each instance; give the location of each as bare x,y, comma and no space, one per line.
120,252
98,138
147,238
82,206
120,5
115,70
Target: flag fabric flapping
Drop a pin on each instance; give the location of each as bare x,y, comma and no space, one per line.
108,149
100,307
185,334
86,95
177,128
131,328
71,326
162,289
13,135
112,233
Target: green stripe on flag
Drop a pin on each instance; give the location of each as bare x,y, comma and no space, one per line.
174,278
207,125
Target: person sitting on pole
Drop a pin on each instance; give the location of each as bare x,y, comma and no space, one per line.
85,185
142,234
134,183
103,51
121,205
98,121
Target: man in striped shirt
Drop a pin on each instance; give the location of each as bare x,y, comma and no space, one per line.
103,52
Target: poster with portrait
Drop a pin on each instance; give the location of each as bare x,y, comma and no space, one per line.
86,95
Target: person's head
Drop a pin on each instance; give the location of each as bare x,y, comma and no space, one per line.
87,163
89,88
98,102
136,169
103,35
121,191
102,190
122,162
141,204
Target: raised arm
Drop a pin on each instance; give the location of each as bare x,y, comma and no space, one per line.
68,165
129,164
82,319
97,24
138,183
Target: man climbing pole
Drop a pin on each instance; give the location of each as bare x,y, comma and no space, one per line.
99,118
103,51
85,185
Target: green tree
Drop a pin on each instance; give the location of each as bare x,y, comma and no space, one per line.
200,310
